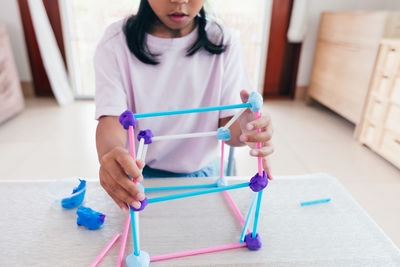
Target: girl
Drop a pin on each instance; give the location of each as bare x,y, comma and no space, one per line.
169,56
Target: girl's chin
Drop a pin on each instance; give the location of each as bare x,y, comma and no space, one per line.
175,27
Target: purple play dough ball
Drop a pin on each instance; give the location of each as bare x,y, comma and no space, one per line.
144,203
146,134
127,119
258,183
253,243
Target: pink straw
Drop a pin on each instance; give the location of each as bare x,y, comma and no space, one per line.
196,252
235,208
228,197
100,257
221,171
123,241
131,132
260,171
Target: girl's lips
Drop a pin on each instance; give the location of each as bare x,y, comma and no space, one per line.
177,17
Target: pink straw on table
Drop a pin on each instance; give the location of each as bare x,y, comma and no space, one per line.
260,170
123,241
100,257
196,252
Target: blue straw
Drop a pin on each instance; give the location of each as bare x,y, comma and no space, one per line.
315,202
248,218
151,189
191,110
136,251
196,193
257,214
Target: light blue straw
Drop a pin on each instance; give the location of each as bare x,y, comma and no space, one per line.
151,189
248,218
257,214
196,193
191,110
136,251
315,202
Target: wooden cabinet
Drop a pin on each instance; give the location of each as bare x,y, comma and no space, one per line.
344,59
380,124
11,99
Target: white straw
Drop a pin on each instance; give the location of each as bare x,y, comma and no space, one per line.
144,152
234,118
140,149
181,136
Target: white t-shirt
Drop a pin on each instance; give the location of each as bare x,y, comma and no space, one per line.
178,82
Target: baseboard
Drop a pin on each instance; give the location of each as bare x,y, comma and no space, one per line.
301,92
28,89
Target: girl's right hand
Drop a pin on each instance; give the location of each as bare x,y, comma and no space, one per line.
114,167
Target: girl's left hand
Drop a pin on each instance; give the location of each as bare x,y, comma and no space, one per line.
251,137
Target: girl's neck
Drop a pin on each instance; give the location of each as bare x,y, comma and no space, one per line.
158,29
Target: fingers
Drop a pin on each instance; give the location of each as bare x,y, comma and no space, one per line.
267,167
262,122
264,136
119,177
140,163
125,160
117,192
265,151
114,170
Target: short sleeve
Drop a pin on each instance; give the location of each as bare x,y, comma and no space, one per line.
235,77
110,96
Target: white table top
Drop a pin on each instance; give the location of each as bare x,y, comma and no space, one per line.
339,233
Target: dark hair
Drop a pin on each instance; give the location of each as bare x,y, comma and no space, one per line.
137,25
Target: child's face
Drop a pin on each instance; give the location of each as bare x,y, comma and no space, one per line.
176,14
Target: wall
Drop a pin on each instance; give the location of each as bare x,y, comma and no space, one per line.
315,7
9,14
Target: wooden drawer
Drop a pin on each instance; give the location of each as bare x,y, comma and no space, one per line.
393,119
339,78
395,95
370,135
363,29
376,111
391,61
383,86
390,147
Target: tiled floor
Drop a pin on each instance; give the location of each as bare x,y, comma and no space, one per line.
49,142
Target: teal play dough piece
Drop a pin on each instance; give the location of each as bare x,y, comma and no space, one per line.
256,101
222,182
223,134
77,198
90,218
143,260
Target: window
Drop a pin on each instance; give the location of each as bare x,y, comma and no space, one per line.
85,22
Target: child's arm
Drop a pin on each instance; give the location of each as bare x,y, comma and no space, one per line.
243,131
116,163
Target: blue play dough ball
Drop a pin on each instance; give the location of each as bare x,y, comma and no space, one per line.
223,134
89,218
74,201
256,101
143,260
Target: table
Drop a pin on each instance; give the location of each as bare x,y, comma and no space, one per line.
338,233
